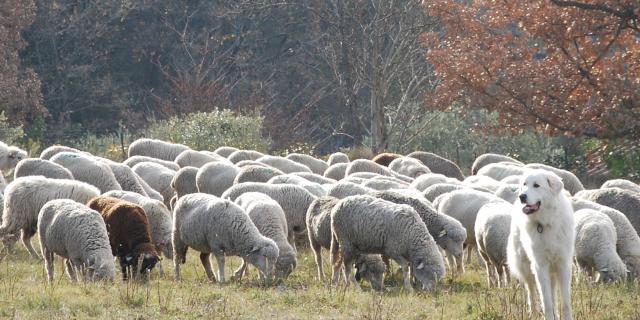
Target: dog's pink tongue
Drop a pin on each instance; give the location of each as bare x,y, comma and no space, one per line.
529,209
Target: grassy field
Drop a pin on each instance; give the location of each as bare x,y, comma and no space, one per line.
24,294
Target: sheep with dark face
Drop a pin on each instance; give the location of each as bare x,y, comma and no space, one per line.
384,159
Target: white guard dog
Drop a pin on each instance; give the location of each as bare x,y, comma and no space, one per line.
541,242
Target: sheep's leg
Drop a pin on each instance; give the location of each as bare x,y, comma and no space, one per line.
220,260
317,253
404,265
469,252
70,269
124,268
347,263
160,269
237,275
206,263
48,262
336,261
26,240
179,256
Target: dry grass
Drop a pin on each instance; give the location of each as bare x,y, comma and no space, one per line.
24,294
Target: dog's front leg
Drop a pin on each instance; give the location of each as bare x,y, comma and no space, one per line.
564,281
543,282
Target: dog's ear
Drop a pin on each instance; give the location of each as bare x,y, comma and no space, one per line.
555,182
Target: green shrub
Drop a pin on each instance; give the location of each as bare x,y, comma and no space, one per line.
9,134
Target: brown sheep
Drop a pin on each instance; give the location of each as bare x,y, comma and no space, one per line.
129,234
384,159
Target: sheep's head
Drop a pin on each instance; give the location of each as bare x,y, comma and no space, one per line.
371,268
613,272
14,156
285,265
264,256
427,273
100,269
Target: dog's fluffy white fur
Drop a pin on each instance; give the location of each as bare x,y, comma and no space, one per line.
541,242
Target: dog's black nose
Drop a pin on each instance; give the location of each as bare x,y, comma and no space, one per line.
523,198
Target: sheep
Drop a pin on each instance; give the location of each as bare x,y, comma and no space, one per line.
345,189
184,181
211,225
622,184
158,215
10,156
448,232
283,164
132,161
363,165
409,167
192,158
627,202
317,166
595,246
438,164
294,200
49,152
384,159
157,177
385,183
256,174
570,181
426,180
41,167
628,241
312,177
367,225
127,179
463,205
489,158
88,169
353,179
336,171
483,182
216,177
77,234
246,163
24,197
156,149
315,189
240,155
432,192
501,170
369,267
508,192
269,218
225,151
129,235
492,228
337,157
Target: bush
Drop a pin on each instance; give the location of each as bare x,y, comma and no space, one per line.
9,134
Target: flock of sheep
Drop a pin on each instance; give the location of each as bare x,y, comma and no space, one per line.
418,210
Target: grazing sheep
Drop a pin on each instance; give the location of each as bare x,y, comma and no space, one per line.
409,167
158,177
336,171
216,177
426,180
367,225
246,163
508,192
368,166
312,177
225,151
345,189
434,191
126,178
502,170
369,267
241,155
88,169
364,175
317,166
129,235
337,157
256,174
385,183
489,158
270,220
49,152
463,205
448,232
595,249
384,159
184,181
77,234
512,180
40,167
10,156
355,180
622,184
492,228
283,164
628,241
570,181
483,182
315,189
627,202
158,215
294,200
156,149
211,225
23,199
438,164
132,161
192,158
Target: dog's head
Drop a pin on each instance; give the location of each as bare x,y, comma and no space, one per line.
539,186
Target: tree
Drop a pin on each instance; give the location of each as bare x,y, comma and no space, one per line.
20,97
568,67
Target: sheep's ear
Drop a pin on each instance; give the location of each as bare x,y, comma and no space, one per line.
420,266
442,233
555,183
128,258
605,270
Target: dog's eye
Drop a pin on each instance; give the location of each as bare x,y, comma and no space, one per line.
535,185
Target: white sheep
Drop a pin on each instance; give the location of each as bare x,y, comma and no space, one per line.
283,164
88,169
41,167
216,177
382,183
345,189
367,225
24,197
10,156
246,163
484,182
51,151
156,149
192,158
438,164
512,180
434,191
209,224
225,151
570,180
157,177
337,157
364,165
625,201
492,228
312,177
595,249
622,184
317,166
315,188
508,192
132,161
426,180
369,267
184,181
270,220
79,235
127,179
501,170
489,158
241,155
336,171
256,174
409,167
